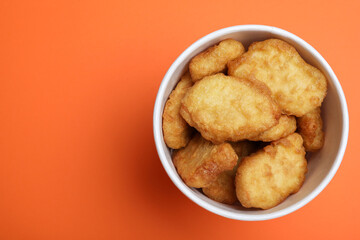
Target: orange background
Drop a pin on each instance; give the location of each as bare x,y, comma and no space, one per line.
78,81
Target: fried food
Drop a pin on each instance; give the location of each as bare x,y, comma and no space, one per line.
244,148
269,176
310,128
214,59
296,86
223,188
200,162
224,108
270,91
285,127
177,132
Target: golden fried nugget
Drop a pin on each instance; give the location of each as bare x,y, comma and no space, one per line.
310,128
222,189
269,176
244,148
296,86
200,162
177,132
225,108
285,127
214,59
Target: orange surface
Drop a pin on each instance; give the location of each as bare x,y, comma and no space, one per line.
78,81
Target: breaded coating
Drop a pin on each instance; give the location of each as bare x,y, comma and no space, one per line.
296,86
310,128
222,189
285,127
224,108
200,162
269,176
214,59
177,132
244,148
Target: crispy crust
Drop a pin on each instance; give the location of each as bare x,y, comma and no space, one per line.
269,176
222,189
285,127
200,162
224,108
176,131
296,86
244,148
310,128
214,59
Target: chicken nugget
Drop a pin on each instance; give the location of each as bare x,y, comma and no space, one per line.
244,148
310,128
224,108
296,86
269,176
200,162
177,132
285,127
223,188
214,59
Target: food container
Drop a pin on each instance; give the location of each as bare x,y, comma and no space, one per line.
322,165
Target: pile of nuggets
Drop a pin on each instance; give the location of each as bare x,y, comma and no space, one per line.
240,122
